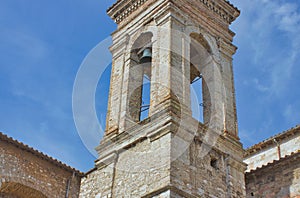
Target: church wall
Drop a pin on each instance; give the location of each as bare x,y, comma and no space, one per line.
97,183
271,153
279,179
23,166
137,171
205,171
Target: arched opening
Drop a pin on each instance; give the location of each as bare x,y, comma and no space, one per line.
200,56
140,77
17,190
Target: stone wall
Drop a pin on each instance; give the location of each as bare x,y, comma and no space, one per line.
166,155
25,172
159,159
133,172
272,149
278,179
209,169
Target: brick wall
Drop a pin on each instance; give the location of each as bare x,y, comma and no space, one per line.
25,172
279,179
273,148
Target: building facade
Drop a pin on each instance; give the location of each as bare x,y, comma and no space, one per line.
158,143
28,173
274,166
154,147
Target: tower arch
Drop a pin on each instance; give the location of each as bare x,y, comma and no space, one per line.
139,71
171,149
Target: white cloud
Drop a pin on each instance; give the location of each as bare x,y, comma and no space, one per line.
289,17
291,113
24,43
259,86
262,28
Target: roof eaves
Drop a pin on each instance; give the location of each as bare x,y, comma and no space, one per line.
270,141
38,153
274,162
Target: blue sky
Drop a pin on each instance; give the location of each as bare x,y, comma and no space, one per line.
43,43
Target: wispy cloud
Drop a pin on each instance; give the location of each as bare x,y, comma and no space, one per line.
273,56
23,43
291,113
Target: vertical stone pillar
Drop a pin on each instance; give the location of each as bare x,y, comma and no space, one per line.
161,76
118,72
227,50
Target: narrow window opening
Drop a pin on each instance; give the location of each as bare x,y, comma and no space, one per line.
200,57
140,78
252,194
197,98
145,61
144,110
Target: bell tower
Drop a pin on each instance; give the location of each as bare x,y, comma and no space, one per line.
165,136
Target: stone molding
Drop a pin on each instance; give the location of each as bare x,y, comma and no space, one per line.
123,8
171,189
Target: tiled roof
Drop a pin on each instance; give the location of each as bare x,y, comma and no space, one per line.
295,155
37,153
270,141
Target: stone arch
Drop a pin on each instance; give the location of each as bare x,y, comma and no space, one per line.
137,72
200,59
18,190
206,63
23,184
133,38
208,38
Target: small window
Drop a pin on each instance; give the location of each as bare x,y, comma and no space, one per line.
214,163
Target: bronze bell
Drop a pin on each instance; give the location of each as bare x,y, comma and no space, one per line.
147,56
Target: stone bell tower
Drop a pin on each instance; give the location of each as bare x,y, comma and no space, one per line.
154,145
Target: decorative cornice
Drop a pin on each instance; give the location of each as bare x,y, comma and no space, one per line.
123,8
216,8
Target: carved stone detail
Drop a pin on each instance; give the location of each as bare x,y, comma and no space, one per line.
121,14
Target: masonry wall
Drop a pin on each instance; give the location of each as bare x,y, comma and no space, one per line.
208,170
279,179
271,153
136,171
23,173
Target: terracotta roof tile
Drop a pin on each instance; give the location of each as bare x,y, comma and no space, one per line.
270,141
274,162
37,153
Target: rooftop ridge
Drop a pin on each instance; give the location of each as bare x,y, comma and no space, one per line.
38,153
270,141
293,154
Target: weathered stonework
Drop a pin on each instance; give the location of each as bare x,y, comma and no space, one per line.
274,166
27,173
170,154
280,178
274,148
